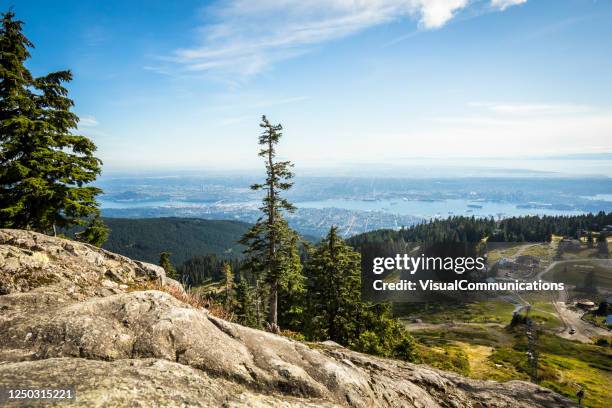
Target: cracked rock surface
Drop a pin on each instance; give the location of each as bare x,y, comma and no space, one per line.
69,316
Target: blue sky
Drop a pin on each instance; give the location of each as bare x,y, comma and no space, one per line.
181,85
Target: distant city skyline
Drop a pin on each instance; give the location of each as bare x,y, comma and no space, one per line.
182,85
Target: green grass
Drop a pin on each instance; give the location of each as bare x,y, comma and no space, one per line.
596,320
545,314
574,375
596,356
539,251
491,311
574,273
499,354
564,366
449,358
208,287
476,334
499,251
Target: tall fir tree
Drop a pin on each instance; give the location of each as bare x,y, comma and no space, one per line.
245,304
228,284
44,167
336,311
291,288
334,275
164,262
269,242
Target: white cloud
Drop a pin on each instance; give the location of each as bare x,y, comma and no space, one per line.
244,37
88,121
504,4
436,13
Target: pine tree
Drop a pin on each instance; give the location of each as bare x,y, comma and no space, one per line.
269,242
336,311
44,167
245,304
164,262
291,290
96,232
228,284
334,275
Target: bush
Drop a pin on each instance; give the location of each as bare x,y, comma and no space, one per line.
369,342
603,342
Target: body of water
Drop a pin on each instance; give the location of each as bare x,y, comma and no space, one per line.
600,197
431,209
417,208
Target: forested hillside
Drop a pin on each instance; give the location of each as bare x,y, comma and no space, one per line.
187,238
144,239
471,229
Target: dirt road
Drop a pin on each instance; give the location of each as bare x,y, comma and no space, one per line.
571,319
584,331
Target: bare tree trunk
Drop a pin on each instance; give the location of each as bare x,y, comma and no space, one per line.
273,312
257,302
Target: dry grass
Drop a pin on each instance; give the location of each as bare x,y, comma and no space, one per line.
478,356
189,297
292,335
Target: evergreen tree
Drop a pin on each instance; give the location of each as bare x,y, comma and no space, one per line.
96,232
228,284
334,275
269,242
336,311
245,304
44,167
164,262
291,289
260,294
379,333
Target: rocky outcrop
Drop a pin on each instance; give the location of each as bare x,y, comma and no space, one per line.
69,315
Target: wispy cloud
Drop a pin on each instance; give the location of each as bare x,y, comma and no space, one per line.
244,37
87,121
513,128
504,4
532,108
483,134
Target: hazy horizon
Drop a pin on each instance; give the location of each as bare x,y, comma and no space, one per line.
562,166
169,85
